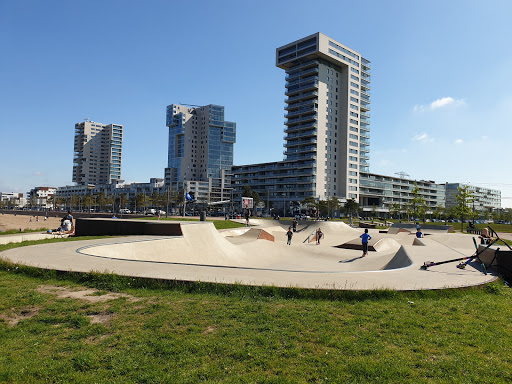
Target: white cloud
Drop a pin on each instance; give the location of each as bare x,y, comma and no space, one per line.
423,138
459,141
439,103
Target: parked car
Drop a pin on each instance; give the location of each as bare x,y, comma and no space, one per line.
125,211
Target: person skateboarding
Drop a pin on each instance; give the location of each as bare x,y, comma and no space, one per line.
364,240
319,235
290,235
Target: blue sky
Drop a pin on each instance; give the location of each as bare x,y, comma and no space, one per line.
441,81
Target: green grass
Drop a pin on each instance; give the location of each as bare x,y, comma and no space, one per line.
186,332
219,224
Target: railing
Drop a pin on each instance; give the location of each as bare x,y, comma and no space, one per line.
314,93
299,105
474,231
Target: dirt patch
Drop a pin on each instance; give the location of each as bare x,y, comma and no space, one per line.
208,330
96,339
90,294
100,318
15,318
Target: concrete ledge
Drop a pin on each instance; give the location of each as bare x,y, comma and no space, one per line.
20,237
112,227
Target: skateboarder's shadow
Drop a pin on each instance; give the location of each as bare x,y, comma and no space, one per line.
351,260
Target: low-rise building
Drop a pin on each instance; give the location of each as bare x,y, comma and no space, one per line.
379,192
41,197
484,200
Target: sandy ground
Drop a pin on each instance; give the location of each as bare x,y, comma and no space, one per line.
9,222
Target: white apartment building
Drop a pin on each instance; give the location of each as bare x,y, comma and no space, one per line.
327,115
40,196
484,199
98,153
327,125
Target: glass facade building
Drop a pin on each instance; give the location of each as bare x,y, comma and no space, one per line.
200,149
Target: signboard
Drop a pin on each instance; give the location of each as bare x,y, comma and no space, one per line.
247,202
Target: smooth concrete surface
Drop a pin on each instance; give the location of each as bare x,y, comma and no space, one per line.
203,254
29,236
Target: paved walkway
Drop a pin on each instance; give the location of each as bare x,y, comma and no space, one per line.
202,254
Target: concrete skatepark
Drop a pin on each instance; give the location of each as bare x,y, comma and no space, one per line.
259,255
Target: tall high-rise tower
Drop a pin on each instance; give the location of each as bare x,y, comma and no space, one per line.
200,143
98,152
327,119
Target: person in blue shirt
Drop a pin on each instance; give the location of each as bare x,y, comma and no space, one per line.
419,234
364,239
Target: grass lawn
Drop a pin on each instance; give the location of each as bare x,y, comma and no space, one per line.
172,332
219,224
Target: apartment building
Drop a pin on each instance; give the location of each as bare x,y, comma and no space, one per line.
41,196
379,193
484,199
98,153
12,199
327,127
200,152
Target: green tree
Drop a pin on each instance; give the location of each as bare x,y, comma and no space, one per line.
416,206
394,210
123,200
310,204
439,212
351,206
464,199
323,207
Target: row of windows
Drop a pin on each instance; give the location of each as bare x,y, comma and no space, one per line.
343,57
342,49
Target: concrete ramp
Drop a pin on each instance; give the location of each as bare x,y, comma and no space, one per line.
417,241
252,234
400,260
395,230
200,244
384,244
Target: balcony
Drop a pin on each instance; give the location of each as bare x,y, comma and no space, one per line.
309,71
302,127
364,135
311,117
308,64
365,87
293,151
310,133
365,115
303,86
300,105
302,110
302,96
296,143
